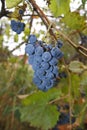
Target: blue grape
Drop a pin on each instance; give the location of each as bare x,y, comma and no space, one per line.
38,59
59,44
14,25
20,27
45,65
42,87
50,75
56,52
36,80
47,82
46,56
64,119
31,59
55,71
21,11
17,26
39,51
29,49
48,46
53,61
36,66
60,56
50,69
40,72
32,39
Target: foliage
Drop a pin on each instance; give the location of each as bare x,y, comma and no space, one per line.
22,105
59,7
38,105
12,3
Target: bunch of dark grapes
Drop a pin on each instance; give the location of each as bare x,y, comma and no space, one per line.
17,26
44,60
64,117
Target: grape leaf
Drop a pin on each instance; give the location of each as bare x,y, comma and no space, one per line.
76,67
12,3
38,111
83,82
59,7
74,21
75,83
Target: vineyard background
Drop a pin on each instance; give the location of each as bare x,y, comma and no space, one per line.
22,105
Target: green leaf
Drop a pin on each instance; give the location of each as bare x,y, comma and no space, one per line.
12,3
75,83
59,7
76,67
84,79
74,21
38,110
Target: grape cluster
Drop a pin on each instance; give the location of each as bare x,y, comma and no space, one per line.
64,117
17,26
44,60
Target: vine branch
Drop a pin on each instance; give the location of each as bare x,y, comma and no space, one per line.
79,49
3,12
17,46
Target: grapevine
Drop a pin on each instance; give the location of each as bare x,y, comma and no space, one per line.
47,88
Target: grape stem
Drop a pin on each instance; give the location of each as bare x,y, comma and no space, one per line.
3,12
58,99
17,46
44,18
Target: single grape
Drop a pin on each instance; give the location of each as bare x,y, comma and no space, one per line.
47,82
36,80
32,39
50,75
36,66
38,58
21,11
45,65
50,69
20,27
40,72
39,50
29,49
53,61
42,87
59,44
31,59
14,25
55,71
46,56
56,52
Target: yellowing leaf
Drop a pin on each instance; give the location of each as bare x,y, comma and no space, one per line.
12,3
